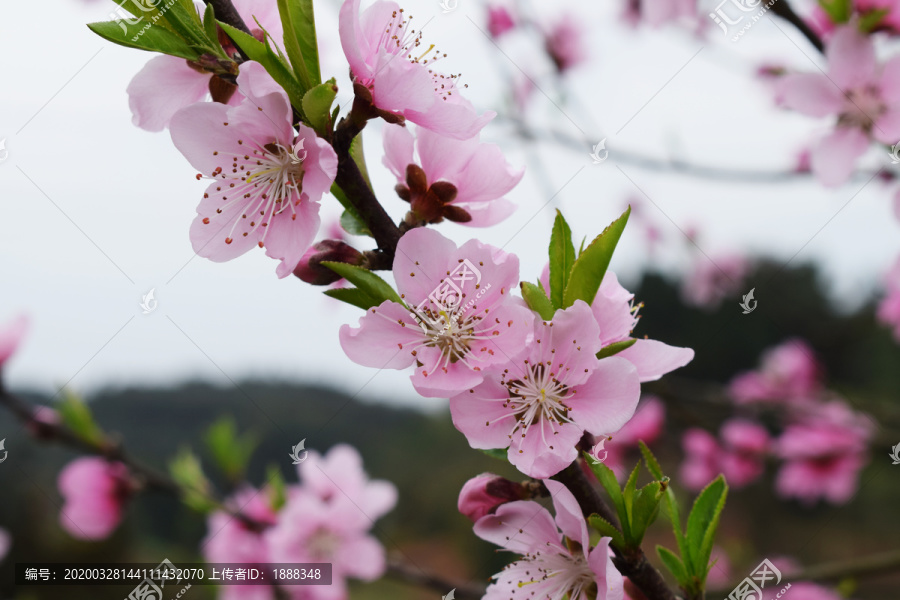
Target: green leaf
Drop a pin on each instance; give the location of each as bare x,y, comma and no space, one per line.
268,58
209,23
276,487
231,451
562,257
871,19
365,280
607,529
674,565
628,497
607,479
356,153
76,415
300,41
353,296
317,106
671,500
591,265
348,206
537,300
498,453
154,39
353,224
615,348
187,472
702,524
839,11
646,508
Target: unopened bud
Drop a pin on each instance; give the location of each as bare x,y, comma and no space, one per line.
482,495
313,272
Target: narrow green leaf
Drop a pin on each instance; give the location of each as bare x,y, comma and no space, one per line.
359,157
292,44
498,453
674,565
187,472
300,41
607,529
276,487
628,499
185,21
268,58
703,517
317,106
365,280
607,479
646,508
650,461
537,300
562,257
706,546
872,19
671,500
353,296
231,451
154,39
591,265
338,193
353,225
615,348
839,11
209,23
77,416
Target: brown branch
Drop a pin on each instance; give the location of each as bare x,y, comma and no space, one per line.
416,576
783,9
633,565
227,13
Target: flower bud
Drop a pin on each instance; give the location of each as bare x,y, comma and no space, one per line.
482,495
313,272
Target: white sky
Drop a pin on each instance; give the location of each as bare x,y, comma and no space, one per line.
96,212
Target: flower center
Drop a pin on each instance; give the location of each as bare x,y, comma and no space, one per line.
862,108
323,544
569,573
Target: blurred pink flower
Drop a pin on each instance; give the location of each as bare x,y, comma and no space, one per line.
500,20
646,425
740,455
11,336
230,540
888,312
167,84
565,44
482,495
661,12
459,180
713,279
449,344
788,372
267,183
43,420
528,529
863,96
823,455
543,402
802,590
95,492
408,87
5,543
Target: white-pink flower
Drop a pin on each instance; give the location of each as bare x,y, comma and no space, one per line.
542,402
267,181
442,178
740,456
11,336
862,95
167,84
95,493
556,557
565,43
387,59
465,319
788,373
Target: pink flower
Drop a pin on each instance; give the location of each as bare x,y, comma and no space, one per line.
565,44
95,492
267,183
11,336
43,421
499,21
340,475
701,463
864,96
542,402
740,456
824,455
5,543
460,180
310,529
231,540
889,307
788,373
482,495
167,84
454,336
408,87
557,559
802,590
661,12
712,280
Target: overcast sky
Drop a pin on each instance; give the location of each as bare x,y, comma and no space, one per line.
96,212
